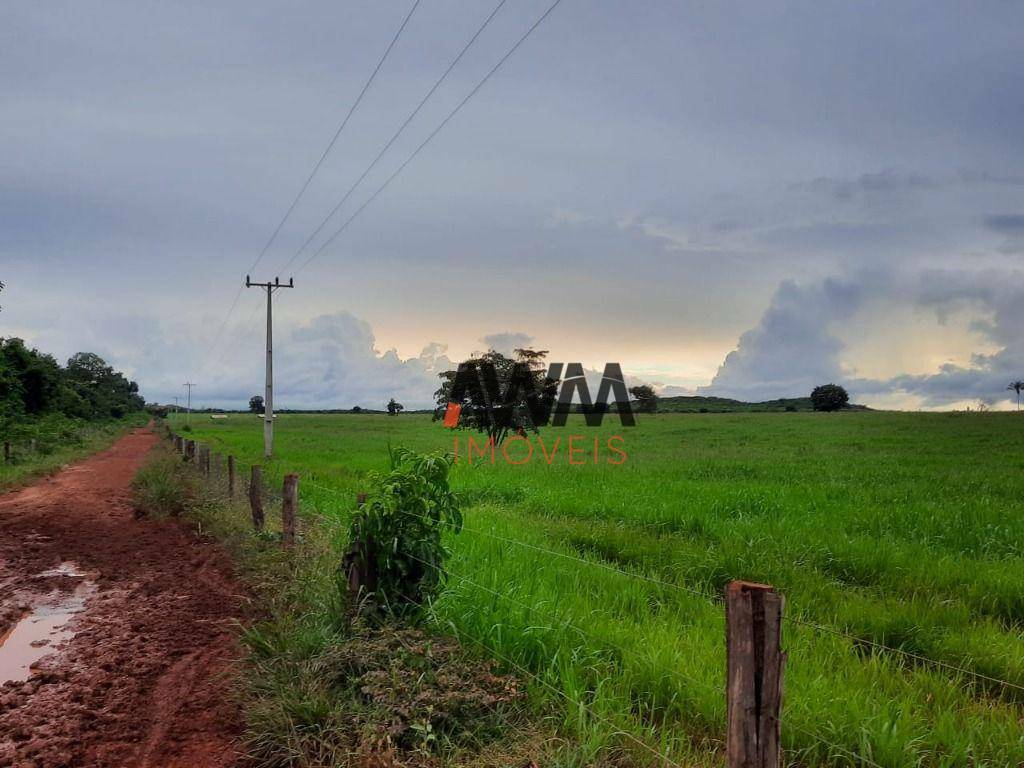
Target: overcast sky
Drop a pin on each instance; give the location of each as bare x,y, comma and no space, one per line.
743,199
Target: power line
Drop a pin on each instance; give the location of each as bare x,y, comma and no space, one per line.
434,133
316,167
330,144
397,133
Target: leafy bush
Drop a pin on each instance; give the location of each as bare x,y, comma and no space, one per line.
395,560
829,397
162,487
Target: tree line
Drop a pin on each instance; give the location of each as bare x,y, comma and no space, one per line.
33,384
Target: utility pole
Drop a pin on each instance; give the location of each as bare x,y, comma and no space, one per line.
268,398
175,403
189,384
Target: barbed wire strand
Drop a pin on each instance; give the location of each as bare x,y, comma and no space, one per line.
651,579
700,684
719,599
618,730
926,660
556,620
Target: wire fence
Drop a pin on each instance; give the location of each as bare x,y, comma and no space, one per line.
717,598
347,504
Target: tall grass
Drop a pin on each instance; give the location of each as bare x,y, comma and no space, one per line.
58,440
901,529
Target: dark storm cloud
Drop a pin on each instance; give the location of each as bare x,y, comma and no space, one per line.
1007,224
641,175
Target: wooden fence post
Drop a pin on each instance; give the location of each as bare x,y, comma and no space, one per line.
231,476
755,664
289,505
255,502
204,459
190,451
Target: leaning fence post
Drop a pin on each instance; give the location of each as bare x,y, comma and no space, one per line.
255,502
289,504
755,664
231,476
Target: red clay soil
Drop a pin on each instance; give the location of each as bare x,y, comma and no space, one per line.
146,679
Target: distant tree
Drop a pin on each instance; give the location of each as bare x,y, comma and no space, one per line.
525,374
829,397
256,404
356,409
1018,387
646,399
395,407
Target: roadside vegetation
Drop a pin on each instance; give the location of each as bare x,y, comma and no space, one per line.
901,530
52,414
43,445
330,681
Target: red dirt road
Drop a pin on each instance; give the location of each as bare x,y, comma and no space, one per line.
145,680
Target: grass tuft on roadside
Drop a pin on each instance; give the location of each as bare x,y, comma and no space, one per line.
163,487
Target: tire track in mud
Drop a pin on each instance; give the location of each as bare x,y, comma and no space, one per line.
145,679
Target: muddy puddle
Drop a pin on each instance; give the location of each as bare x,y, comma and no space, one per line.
44,626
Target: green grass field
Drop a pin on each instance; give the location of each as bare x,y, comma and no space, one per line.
900,529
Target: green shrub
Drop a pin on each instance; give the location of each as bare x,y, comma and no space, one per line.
395,560
161,488
829,397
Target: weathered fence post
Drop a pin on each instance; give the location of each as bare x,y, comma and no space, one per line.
255,501
755,664
231,476
190,451
7,452
179,445
204,459
289,505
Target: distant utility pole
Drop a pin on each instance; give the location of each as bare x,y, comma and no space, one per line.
189,384
268,398
175,403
